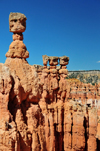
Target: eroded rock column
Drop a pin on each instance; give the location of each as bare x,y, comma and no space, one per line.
17,25
78,130
67,126
92,144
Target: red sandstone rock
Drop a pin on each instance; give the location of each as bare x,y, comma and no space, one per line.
39,109
45,59
64,60
67,126
28,78
92,130
53,61
17,22
78,137
17,49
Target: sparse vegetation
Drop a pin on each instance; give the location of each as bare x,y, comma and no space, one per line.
83,78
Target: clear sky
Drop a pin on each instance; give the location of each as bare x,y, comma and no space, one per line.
56,28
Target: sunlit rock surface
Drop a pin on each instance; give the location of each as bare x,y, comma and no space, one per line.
39,109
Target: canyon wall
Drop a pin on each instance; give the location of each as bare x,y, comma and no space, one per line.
39,109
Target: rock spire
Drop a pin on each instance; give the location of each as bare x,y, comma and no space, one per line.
17,25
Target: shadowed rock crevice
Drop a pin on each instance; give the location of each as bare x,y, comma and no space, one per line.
86,133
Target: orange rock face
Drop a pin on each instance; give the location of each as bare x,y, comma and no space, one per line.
17,22
40,110
17,49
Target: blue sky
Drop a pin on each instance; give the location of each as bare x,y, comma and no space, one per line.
56,28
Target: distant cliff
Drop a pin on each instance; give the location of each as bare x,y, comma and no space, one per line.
86,76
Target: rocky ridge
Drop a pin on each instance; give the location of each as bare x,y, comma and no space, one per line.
39,109
86,76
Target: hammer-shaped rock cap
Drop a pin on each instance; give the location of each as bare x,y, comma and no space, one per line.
64,60
17,22
53,61
45,59
13,16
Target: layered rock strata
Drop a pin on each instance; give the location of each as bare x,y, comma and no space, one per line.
39,109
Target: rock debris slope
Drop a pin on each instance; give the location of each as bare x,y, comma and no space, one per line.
39,109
